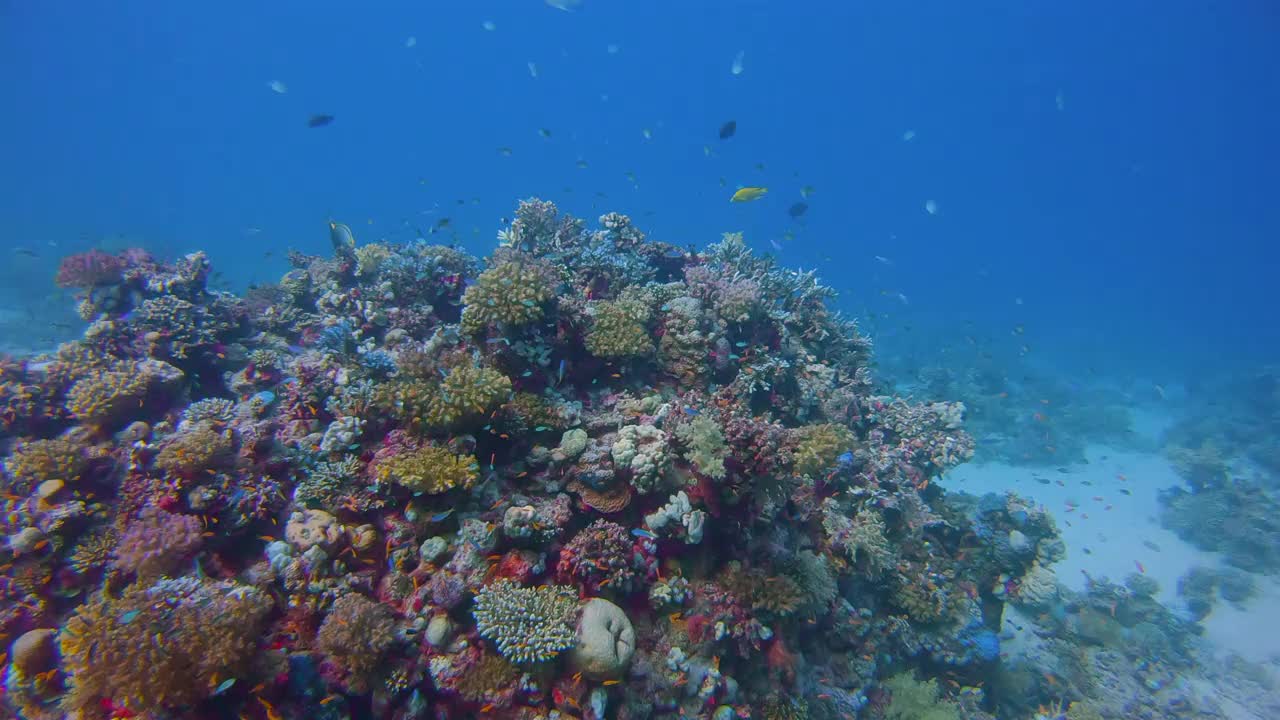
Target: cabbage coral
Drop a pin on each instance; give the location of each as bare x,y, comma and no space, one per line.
430,469
511,293
160,645
528,625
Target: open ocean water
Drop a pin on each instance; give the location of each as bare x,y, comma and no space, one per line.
1062,215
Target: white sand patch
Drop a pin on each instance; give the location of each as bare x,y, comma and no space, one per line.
1111,534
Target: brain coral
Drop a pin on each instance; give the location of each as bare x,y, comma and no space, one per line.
527,624
430,469
511,292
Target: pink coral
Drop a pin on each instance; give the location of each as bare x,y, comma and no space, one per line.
603,556
89,270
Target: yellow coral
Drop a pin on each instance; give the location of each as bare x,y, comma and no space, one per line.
103,394
430,469
194,450
509,293
618,331
161,645
819,447
36,461
369,259
465,394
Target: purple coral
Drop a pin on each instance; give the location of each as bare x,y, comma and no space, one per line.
156,542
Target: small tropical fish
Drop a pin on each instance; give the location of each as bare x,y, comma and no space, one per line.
533,69
129,617
747,194
613,48
316,121
26,252
884,260
931,207
224,686
411,41
565,5
341,237
728,129
798,210
489,25
806,191
544,132
278,87
736,67
908,136
505,151
582,164
647,133
640,532
440,516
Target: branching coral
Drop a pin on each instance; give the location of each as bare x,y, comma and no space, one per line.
104,394
618,331
527,625
464,394
511,293
36,461
861,537
430,469
160,645
355,635
818,447
603,557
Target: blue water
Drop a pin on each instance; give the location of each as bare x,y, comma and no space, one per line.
1105,176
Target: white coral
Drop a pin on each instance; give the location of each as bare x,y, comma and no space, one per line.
642,450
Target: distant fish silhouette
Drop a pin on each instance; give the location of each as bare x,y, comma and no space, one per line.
728,129
319,121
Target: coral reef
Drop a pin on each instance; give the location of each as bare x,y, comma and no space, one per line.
603,477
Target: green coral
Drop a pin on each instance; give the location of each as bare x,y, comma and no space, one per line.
510,293
466,394
915,700
528,625
704,445
430,469
618,331
819,446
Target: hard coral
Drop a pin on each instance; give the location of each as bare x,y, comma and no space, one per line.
161,645
90,269
819,446
601,557
355,635
527,625
618,331
36,461
156,542
511,293
430,469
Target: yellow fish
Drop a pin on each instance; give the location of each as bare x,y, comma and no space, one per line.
747,194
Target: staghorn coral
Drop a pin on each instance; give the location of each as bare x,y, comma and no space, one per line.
618,331
818,446
355,636
511,293
161,645
527,625
430,469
